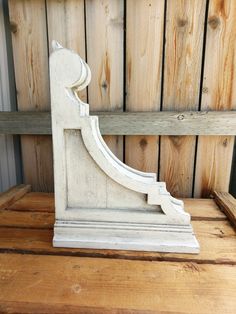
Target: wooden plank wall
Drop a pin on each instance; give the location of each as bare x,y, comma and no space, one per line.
8,153
145,56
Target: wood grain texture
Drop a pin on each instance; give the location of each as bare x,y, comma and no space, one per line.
41,219
13,194
29,38
214,154
131,123
111,282
115,284
36,211
66,25
227,203
36,202
199,209
182,70
217,240
144,36
105,37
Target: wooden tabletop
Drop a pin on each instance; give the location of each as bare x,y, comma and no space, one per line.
37,278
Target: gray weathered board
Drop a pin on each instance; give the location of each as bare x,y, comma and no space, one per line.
131,123
100,201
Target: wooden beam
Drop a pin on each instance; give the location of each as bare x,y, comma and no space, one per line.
13,194
61,284
227,204
131,123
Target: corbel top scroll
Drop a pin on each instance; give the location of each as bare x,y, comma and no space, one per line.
73,72
69,74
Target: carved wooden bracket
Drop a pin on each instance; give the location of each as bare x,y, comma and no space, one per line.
100,201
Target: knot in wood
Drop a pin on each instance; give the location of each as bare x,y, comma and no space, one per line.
182,22
143,143
225,142
213,21
180,117
104,84
13,27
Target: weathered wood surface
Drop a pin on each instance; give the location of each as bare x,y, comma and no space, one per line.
131,123
40,215
157,74
182,71
116,285
111,282
105,57
30,52
227,203
144,43
66,24
13,194
26,226
199,209
217,240
36,201
214,154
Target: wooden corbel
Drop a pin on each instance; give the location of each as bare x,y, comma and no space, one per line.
101,202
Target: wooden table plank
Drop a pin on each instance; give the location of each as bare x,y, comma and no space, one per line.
35,201
115,284
13,194
217,244
199,209
227,203
26,219
35,216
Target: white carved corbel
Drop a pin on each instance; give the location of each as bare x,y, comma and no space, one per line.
100,201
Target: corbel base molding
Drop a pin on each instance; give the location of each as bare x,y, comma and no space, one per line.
125,236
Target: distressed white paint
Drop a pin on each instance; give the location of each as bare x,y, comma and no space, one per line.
100,201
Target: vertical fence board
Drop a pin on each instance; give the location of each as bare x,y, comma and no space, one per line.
29,38
105,35
214,154
182,71
144,42
95,28
66,25
8,170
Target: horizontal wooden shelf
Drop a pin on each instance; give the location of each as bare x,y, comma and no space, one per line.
131,123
